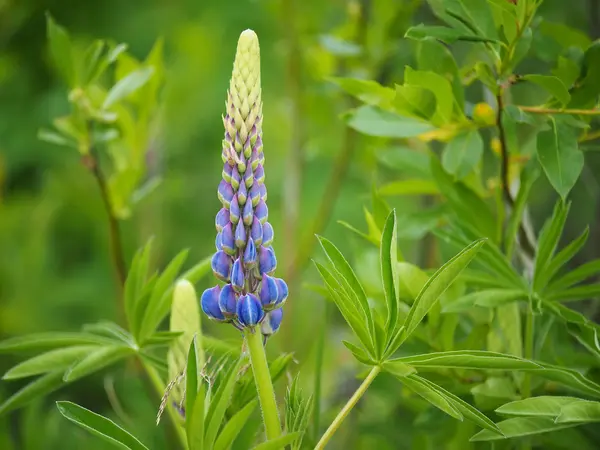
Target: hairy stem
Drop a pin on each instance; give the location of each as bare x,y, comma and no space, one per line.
159,387
264,386
347,408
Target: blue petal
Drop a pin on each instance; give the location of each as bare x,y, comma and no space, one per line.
266,260
272,322
234,210
218,243
282,291
256,231
221,265
242,194
259,173
227,172
267,234
261,211
248,178
235,178
240,235
209,301
249,310
254,194
225,193
222,219
248,214
250,257
237,275
228,301
268,292
228,240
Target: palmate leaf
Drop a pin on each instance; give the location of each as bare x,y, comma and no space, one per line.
96,360
234,426
567,377
278,443
563,257
548,241
347,308
298,409
417,384
580,411
349,282
571,278
44,341
43,385
57,359
433,289
528,177
99,426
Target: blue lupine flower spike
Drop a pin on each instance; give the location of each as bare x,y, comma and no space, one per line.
245,260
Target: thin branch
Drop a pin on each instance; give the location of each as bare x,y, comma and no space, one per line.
503,151
542,110
527,246
92,162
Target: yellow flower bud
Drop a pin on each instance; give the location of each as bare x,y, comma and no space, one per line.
484,114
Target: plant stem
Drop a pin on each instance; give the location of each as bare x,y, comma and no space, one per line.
116,245
541,110
264,386
159,387
347,408
528,350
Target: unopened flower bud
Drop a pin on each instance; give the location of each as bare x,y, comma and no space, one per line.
228,301
221,265
256,231
222,219
234,210
267,262
225,193
242,194
272,322
248,214
250,257
249,310
209,301
261,212
267,234
228,240
268,292
240,235
282,291
237,276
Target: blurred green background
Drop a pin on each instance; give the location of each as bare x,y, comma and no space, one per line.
55,270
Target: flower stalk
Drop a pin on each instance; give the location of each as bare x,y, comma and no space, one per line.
264,386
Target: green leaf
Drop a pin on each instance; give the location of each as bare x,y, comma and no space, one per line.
528,177
92,62
346,307
468,411
462,154
563,257
417,384
448,35
367,91
543,406
389,272
435,287
580,411
576,293
278,443
415,100
61,50
219,403
58,359
99,426
559,156
572,277
192,380
38,388
478,14
398,368
440,86
548,241
127,85
148,304
468,359
195,420
519,427
158,308
352,285
409,187
233,427
96,360
43,341
411,280
489,298
436,57
359,353
553,85
567,377
373,121
55,138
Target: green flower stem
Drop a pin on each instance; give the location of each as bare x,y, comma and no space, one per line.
347,408
158,385
264,386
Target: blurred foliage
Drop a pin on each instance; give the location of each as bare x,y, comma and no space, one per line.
348,126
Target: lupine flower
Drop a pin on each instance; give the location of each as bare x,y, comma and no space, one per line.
244,259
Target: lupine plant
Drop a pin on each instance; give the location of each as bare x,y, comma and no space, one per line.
483,346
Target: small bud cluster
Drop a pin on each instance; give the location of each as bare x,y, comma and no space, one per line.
244,260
